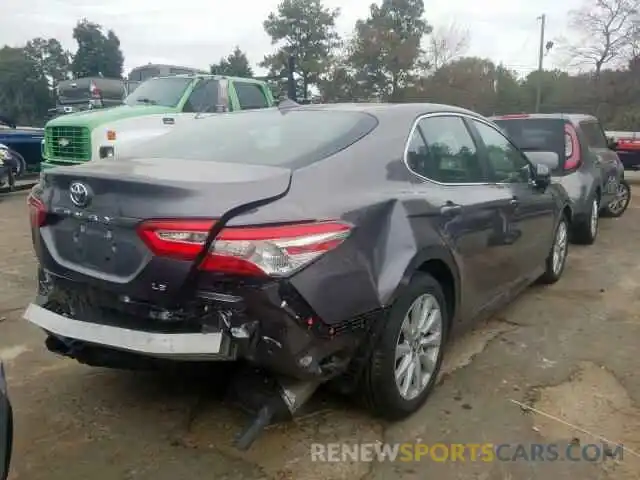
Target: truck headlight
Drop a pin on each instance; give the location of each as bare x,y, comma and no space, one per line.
106,152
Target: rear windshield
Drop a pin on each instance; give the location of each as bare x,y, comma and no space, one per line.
261,137
535,134
166,92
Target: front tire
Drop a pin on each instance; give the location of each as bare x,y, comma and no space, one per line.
557,258
407,357
619,204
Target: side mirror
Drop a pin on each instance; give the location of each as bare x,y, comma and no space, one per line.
541,176
549,159
6,427
612,144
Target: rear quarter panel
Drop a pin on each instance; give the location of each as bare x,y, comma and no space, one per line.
368,186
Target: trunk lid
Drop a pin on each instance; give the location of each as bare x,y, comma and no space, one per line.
96,207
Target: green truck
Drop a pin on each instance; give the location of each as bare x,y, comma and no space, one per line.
152,109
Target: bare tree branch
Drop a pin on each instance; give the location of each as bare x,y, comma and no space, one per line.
446,44
606,31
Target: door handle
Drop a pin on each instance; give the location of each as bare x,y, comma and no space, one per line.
451,209
514,202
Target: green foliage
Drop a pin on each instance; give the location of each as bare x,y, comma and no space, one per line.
98,55
387,47
234,65
306,30
24,92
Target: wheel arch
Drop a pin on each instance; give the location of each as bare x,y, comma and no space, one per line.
438,262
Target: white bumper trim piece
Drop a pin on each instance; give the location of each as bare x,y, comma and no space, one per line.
170,345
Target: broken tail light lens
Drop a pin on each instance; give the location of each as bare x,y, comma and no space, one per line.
258,251
37,211
571,148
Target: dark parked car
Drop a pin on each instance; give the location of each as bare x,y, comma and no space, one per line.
318,242
6,427
24,143
590,169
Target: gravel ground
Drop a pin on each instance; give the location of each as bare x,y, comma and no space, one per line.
569,350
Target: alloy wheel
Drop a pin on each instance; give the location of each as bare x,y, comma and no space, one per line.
418,346
593,220
619,203
560,247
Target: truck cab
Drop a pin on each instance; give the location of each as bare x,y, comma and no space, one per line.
152,109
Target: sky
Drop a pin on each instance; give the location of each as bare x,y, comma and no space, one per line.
197,33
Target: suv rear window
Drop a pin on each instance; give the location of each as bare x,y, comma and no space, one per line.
261,137
535,134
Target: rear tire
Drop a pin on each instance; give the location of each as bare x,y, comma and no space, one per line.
584,232
557,258
618,205
410,344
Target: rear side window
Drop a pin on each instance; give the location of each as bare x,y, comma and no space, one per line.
263,137
593,134
441,149
250,96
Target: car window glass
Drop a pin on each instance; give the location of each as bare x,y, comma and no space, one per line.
507,163
594,134
250,96
442,149
203,98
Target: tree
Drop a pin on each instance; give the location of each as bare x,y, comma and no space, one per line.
606,30
234,65
446,44
386,48
98,54
24,92
53,61
306,30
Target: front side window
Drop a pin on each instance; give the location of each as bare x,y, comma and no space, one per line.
441,149
166,92
203,98
507,163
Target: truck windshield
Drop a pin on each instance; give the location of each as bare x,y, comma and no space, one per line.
165,92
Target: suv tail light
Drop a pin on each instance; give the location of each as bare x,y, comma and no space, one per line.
37,211
259,251
572,157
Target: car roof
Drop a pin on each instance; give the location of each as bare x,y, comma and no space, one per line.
388,109
572,117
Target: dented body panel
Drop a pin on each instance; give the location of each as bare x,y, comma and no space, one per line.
313,322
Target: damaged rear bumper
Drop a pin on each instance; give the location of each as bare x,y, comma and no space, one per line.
177,346
265,325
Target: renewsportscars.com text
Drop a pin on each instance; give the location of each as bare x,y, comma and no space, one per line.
463,452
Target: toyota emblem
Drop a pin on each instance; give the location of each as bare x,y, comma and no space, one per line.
79,194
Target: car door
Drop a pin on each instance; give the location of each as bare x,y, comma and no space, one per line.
471,220
531,212
605,158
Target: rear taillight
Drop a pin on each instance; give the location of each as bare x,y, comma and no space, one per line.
95,91
265,250
37,211
571,148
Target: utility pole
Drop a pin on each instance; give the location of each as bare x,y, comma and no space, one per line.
542,19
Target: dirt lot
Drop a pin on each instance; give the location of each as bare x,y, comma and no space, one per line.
570,350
